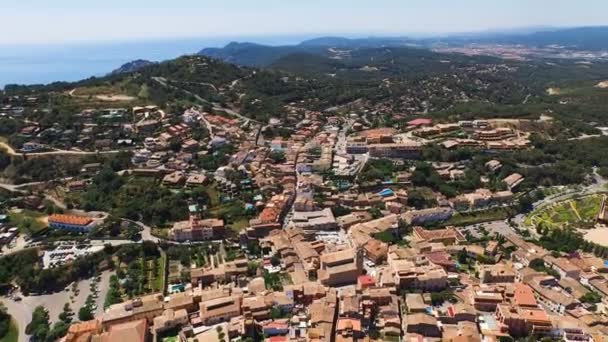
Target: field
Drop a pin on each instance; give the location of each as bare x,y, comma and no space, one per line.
464,219
28,221
582,212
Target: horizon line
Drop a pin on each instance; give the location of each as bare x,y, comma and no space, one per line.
245,37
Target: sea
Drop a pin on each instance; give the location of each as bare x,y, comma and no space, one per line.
47,63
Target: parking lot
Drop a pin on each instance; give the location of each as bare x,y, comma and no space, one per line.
22,310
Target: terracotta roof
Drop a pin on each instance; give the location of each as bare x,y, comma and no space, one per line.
70,219
524,296
131,331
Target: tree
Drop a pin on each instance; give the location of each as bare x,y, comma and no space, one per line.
275,261
5,320
85,313
277,157
537,265
59,330
39,326
66,314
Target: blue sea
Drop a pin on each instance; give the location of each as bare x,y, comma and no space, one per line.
46,63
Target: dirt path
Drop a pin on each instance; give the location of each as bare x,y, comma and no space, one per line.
7,148
575,210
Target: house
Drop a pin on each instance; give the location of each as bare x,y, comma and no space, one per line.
197,230
314,220
423,324
83,331
564,267
220,309
448,235
134,331
77,186
513,180
498,273
415,303
174,179
493,165
195,180
145,307
72,223
170,319
420,122
520,322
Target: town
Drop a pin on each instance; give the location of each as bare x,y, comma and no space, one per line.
310,228
346,190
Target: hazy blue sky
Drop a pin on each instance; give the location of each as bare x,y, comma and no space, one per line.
78,20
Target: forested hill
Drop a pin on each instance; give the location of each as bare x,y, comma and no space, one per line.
400,80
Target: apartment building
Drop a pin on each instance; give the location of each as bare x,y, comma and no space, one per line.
197,230
341,268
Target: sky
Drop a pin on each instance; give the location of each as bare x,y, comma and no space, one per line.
62,21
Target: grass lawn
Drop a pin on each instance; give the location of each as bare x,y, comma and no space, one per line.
240,224
28,221
160,232
13,333
463,219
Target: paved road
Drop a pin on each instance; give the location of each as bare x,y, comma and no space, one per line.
146,232
12,152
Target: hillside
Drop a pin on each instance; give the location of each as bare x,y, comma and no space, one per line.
390,80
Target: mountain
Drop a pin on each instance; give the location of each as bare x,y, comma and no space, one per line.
249,54
132,66
257,55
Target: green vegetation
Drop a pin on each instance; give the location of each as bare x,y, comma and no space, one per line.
39,326
379,169
6,325
494,214
438,298
136,199
591,297
140,268
12,335
29,222
273,281
25,270
570,213
539,266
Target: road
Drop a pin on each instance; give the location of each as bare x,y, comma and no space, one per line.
12,152
146,231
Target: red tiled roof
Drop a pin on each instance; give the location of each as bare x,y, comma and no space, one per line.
524,296
420,122
366,280
278,339
70,219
